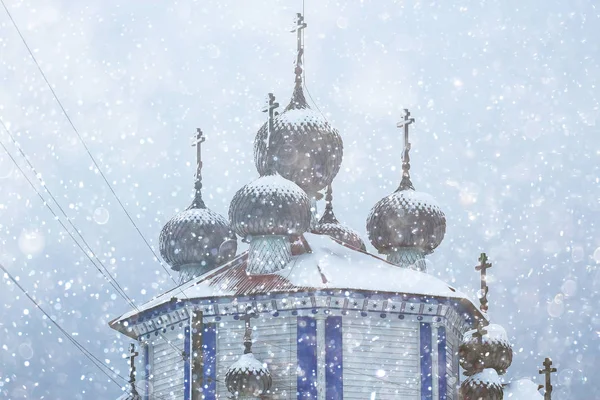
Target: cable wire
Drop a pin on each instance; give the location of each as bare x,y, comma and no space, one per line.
83,142
81,348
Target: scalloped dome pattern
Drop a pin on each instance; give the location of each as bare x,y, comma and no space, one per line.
270,205
195,236
406,218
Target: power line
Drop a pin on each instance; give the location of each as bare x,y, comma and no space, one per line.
83,142
114,283
81,348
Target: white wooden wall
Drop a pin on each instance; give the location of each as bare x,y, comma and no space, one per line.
381,359
274,343
166,374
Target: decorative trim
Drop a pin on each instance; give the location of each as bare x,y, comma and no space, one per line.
334,368
442,379
209,362
187,354
426,359
307,358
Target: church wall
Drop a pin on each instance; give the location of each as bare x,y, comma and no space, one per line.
166,372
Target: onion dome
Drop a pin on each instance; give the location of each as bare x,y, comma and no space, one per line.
484,385
406,225
269,211
248,378
197,239
307,150
270,205
330,226
488,350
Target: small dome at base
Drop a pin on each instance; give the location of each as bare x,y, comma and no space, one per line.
484,385
248,377
493,351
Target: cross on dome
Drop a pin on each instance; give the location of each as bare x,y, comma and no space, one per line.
300,25
198,140
248,331
547,371
406,183
483,267
132,355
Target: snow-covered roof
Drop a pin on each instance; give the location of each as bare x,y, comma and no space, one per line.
522,389
328,266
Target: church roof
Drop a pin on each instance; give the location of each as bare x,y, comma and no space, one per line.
328,266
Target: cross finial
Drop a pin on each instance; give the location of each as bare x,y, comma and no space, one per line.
132,355
300,25
406,183
483,267
547,371
270,109
198,140
248,330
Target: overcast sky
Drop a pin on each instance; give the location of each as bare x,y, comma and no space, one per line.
506,139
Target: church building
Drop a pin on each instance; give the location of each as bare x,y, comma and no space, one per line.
307,312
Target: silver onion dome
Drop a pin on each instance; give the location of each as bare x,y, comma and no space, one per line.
248,378
270,205
330,226
307,150
406,222
197,237
490,350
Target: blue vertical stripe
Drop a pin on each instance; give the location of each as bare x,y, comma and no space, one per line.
147,372
209,362
333,359
442,379
187,351
307,358
426,361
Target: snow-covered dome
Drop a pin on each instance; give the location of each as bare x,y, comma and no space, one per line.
330,226
406,218
406,225
492,350
482,385
307,150
197,236
270,205
248,378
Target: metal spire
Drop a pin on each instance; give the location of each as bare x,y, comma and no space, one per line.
406,183
328,215
547,371
248,332
132,355
300,25
270,109
483,267
198,140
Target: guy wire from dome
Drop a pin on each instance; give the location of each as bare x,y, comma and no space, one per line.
197,239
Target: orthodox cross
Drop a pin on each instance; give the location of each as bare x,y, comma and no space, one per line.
547,371
270,108
300,25
198,140
406,183
248,331
132,355
483,267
